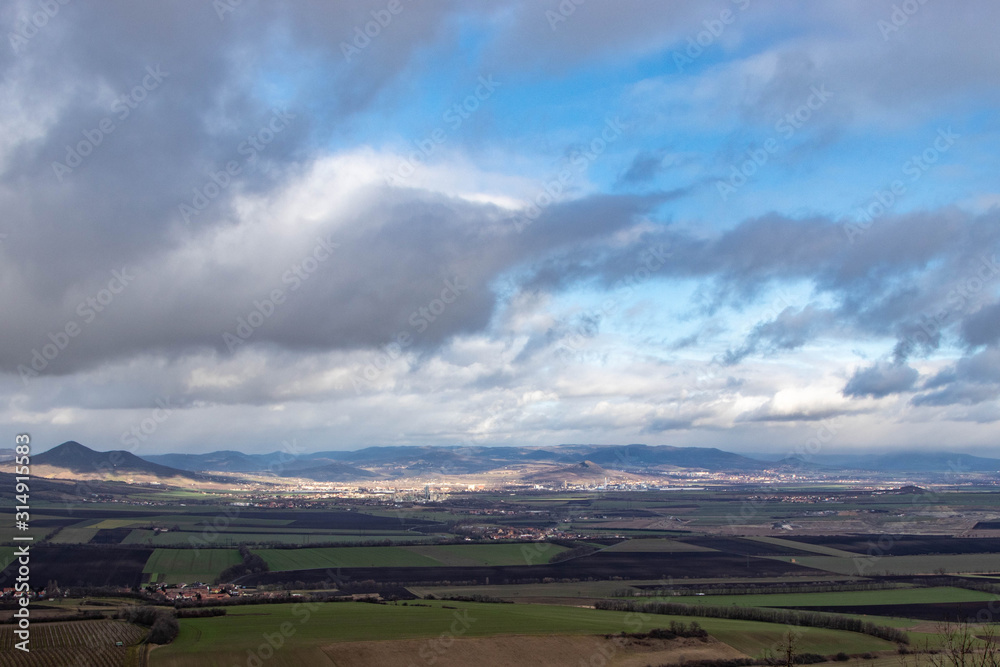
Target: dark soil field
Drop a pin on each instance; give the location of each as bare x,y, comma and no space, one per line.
302,519
332,520
84,566
600,565
740,547
907,545
110,535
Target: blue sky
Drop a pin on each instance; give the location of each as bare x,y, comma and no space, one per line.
501,223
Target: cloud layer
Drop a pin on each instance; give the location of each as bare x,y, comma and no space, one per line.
500,222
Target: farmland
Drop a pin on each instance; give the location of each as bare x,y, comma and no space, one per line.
71,565
227,639
599,565
188,565
903,596
490,554
91,643
654,544
304,559
469,555
900,565
657,546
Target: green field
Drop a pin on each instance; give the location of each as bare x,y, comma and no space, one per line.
226,639
584,590
174,566
6,556
320,558
459,555
837,599
226,539
929,564
447,555
657,545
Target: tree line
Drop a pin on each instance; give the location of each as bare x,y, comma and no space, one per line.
767,615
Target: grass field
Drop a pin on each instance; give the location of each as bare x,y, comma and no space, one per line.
656,545
6,556
174,566
80,533
447,555
578,589
227,639
869,565
225,539
490,554
838,599
310,559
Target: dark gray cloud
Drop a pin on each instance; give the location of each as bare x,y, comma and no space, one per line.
664,425
790,330
419,265
983,326
644,168
971,380
881,380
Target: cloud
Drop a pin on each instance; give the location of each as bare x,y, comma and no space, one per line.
971,380
644,168
881,380
253,270
983,326
790,330
664,425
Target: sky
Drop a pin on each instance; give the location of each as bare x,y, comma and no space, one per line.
762,226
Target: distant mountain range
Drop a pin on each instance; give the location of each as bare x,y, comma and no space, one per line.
412,461
537,463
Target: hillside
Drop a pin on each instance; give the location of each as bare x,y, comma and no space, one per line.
72,457
583,472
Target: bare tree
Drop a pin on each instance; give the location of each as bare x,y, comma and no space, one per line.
965,646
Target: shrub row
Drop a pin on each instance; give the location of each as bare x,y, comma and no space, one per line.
786,616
